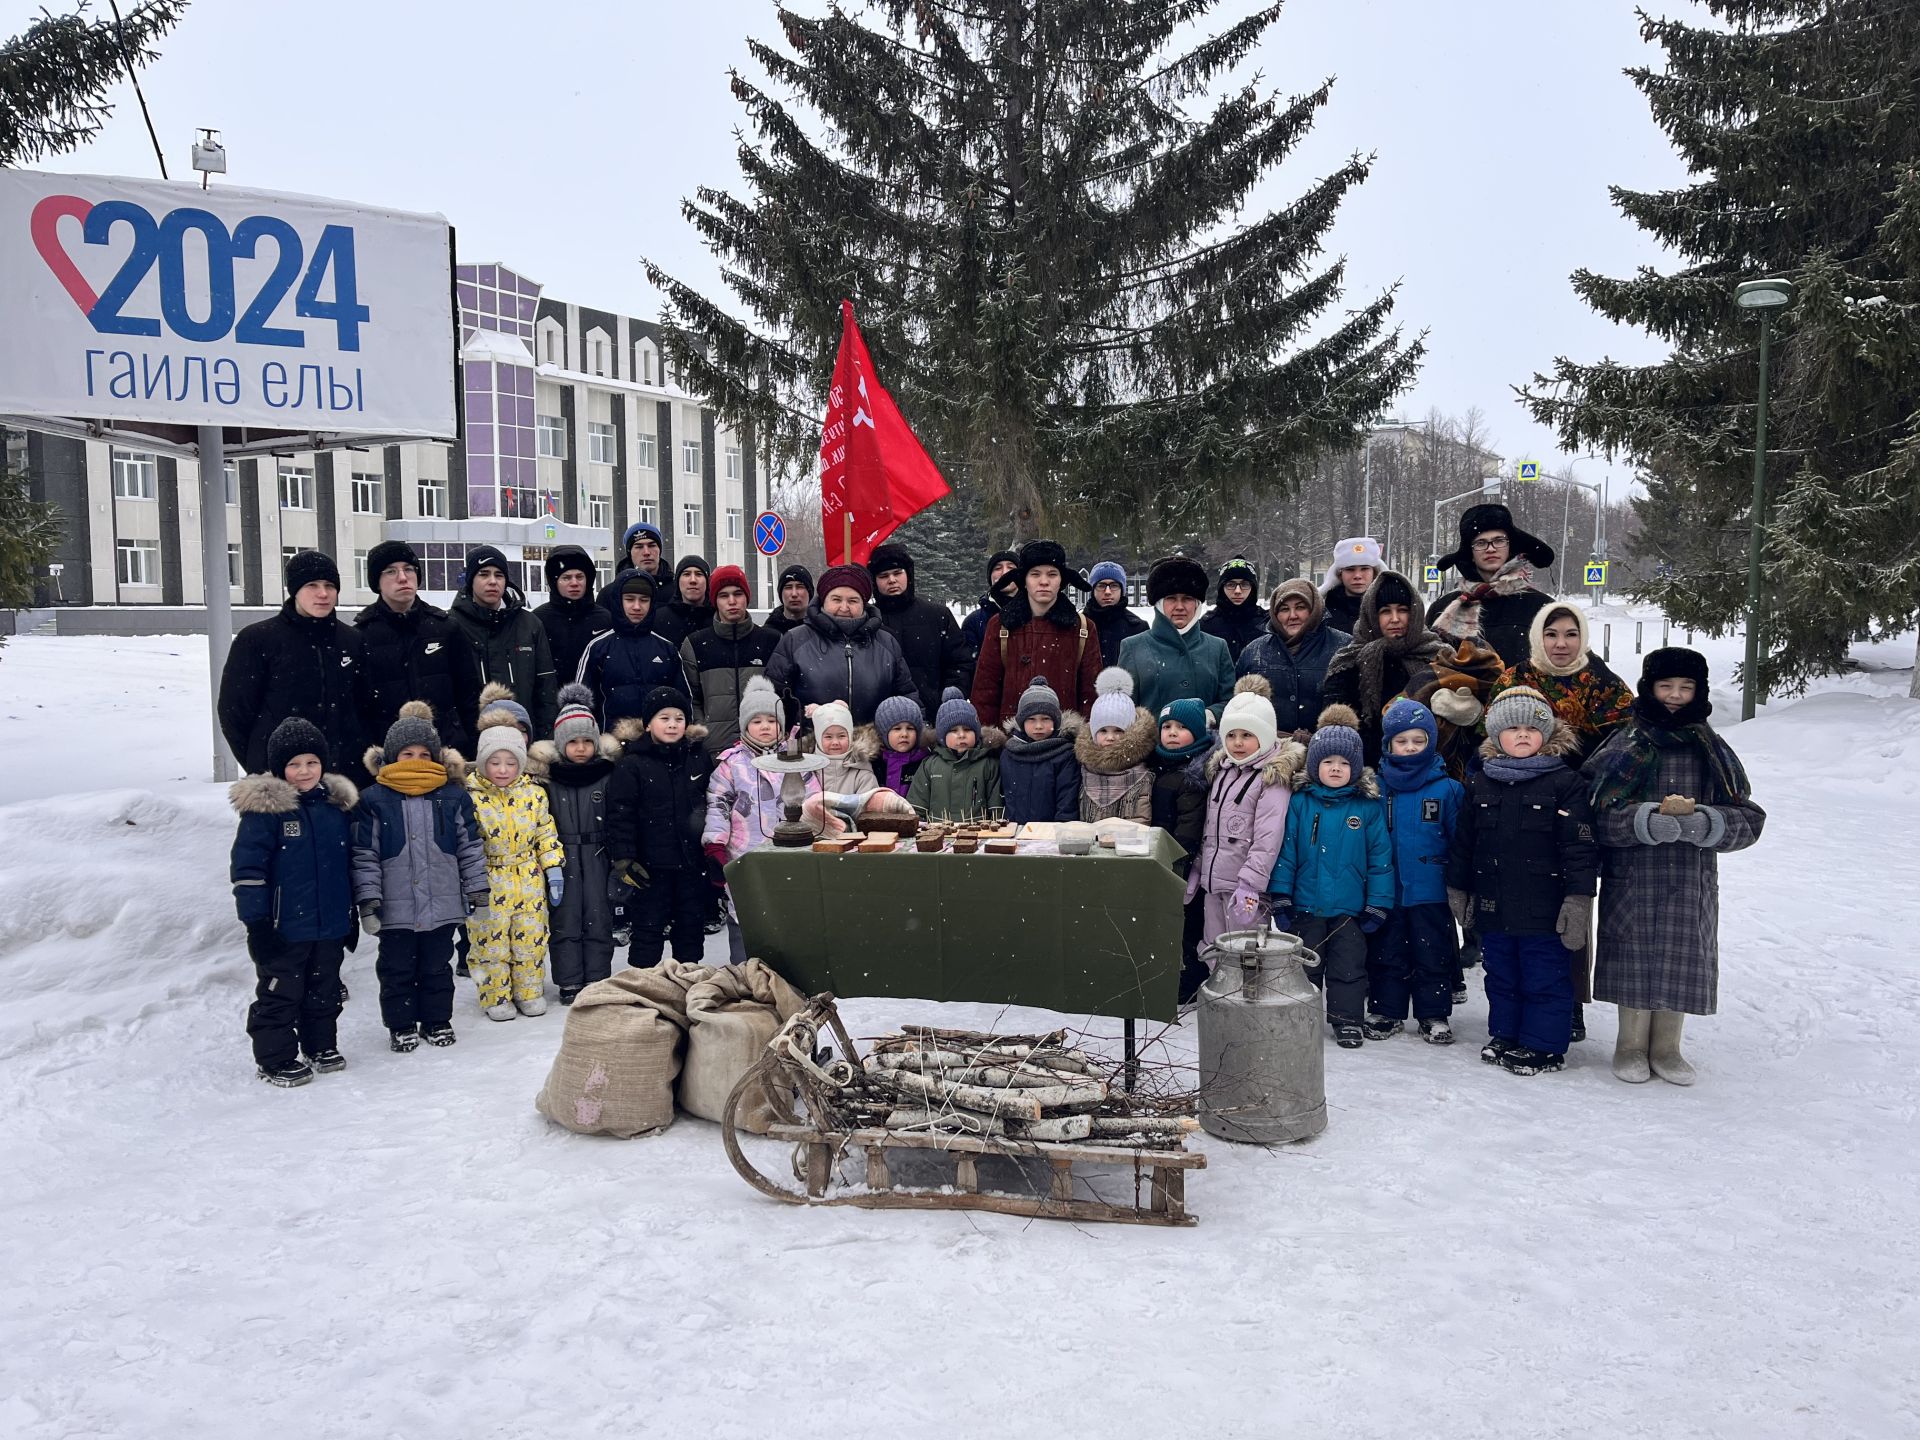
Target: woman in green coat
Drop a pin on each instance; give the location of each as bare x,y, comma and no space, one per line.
1176,659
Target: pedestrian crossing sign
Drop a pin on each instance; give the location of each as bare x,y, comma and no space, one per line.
1529,470
1596,572
1432,576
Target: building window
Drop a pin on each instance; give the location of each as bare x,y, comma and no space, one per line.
137,562
733,462
233,565
360,570
551,432
550,346
443,561
646,367
231,472
287,552
136,476
433,503
599,357
647,457
296,487
691,514
369,493
649,512
690,456
734,519
599,512
600,443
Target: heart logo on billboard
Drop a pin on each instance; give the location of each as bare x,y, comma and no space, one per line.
45,229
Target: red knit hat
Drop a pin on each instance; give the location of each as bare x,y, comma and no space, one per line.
729,575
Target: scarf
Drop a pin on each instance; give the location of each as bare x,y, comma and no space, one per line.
1629,772
1400,773
1370,654
413,777
1515,768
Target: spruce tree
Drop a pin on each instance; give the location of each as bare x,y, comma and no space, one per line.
54,74
1800,120
1049,255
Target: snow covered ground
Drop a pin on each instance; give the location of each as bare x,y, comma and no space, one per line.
407,1248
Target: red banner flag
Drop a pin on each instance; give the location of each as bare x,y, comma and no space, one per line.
872,466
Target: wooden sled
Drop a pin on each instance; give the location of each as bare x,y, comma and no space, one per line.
1159,1173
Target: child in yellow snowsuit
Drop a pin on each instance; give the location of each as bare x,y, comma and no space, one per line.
524,870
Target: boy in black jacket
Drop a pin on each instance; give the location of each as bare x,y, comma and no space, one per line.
656,805
1179,766
293,887
1522,869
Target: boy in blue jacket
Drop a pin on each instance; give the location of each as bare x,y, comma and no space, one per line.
1333,882
1410,958
293,889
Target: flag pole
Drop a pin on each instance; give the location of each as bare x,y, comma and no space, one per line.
846,537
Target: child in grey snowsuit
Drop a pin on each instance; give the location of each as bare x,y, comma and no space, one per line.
419,867
577,765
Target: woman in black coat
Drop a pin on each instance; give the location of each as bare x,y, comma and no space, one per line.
843,652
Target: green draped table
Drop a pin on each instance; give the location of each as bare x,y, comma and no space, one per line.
1096,934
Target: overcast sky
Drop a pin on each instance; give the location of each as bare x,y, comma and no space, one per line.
559,138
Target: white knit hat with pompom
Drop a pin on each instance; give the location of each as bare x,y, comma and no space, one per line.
1113,705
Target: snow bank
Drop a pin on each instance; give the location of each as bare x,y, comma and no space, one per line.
407,1248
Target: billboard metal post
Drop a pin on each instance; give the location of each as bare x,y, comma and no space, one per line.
215,580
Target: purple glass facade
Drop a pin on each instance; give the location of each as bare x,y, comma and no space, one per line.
502,475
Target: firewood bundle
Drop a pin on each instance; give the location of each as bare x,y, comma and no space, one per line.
1022,1087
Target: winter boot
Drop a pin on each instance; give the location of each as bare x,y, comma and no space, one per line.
404,1038
1579,1023
294,1072
1663,1048
1347,1035
535,1006
622,936
438,1035
570,993
1521,1061
1437,1032
1495,1049
460,966
1460,993
325,1062
1378,1027
503,1011
1630,1050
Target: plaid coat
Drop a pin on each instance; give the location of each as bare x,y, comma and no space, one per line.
1659,945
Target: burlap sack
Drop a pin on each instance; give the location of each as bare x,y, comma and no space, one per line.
731,1015
620,1053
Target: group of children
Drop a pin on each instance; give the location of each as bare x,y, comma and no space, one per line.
572,847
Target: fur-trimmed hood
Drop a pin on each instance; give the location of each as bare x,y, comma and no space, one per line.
868,745
1564,741
270,795
1287,761
634,728
1369,784
451,760
1132,748
544,757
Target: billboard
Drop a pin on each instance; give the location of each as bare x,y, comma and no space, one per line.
155,302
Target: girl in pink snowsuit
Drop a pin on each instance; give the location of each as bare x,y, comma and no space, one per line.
1248,790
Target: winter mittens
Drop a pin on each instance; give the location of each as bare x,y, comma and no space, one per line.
556,884
1652,826
370,916
1575,921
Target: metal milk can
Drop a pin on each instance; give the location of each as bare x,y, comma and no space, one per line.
1262,1067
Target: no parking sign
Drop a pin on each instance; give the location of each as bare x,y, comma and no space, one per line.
769,533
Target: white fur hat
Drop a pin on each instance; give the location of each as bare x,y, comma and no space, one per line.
1355,550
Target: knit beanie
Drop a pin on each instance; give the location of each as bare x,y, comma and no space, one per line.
836,712
846,577
760,698
1108,570
295,736
1403,715
1240,568
414,727
664,697
796,572
496,701
1037,699
1113,700
730,575
392,552
636,582
1391,588
890,556
895,710
1521,705
496,738
1191,713
1338,733
692,562
478,559
307,566
635,531
575,721
956,712
1251,711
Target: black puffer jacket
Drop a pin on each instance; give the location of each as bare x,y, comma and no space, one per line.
571,626
852,660
1239,625
937,653
622,665
718,662
512,649
417,656
1296,675
1180,797
675,620
1115,623
1522,847
657,799
1343,610
577,797
292,664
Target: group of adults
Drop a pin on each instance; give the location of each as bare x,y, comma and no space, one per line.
861,635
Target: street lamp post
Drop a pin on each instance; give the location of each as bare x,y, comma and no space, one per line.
1766,296
1566,512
